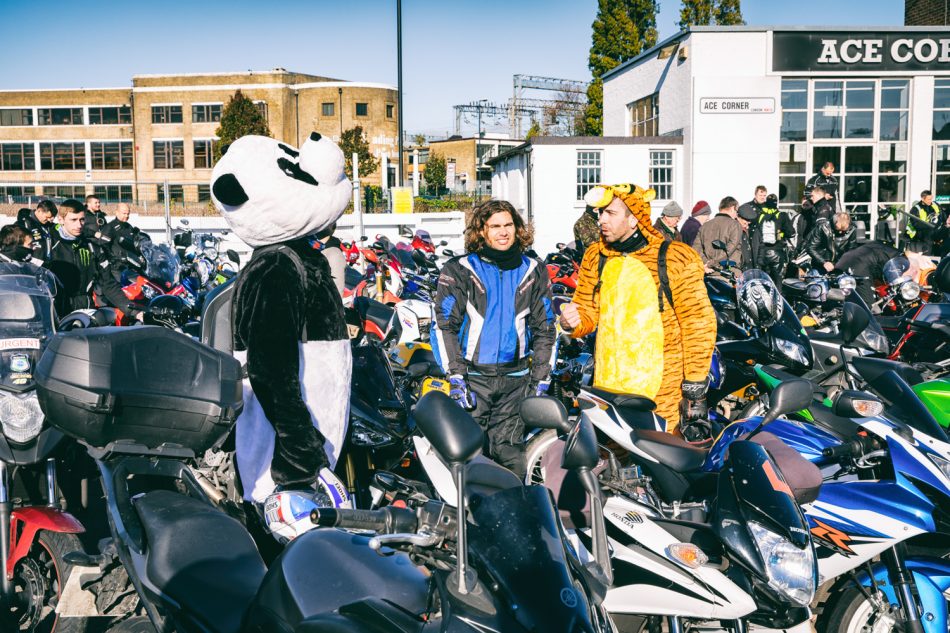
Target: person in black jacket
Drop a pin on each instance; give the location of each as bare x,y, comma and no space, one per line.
770,238
39,224
494,331
122,240
82,267
825,179
827,242
867,261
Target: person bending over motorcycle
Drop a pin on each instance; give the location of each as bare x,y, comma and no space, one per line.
82,266
829,240
867,263
656,328
495,327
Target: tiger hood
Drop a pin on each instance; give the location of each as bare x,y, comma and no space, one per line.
637,200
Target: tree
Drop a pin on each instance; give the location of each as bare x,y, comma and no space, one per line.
620,31
534,130
353,140
419,139
706,12
435,173
240,117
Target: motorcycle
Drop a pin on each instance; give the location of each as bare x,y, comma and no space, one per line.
474,558
36,532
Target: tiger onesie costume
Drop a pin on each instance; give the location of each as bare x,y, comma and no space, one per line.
642,349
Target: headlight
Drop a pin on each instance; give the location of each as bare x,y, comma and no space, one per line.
793,350
815,291
941,463
877,341
362,435
910,291
211,253
791,570
847,282
21,417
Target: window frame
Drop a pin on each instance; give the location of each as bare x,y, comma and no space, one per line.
591,161
123,114
25,159
48,110
207,111
666,168
48,163
24,113
167,111
648,124
207,143
126,155
356,109
168,153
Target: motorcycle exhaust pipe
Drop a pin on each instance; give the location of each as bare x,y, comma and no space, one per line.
6,508
216,496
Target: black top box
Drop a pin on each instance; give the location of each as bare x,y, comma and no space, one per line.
143,387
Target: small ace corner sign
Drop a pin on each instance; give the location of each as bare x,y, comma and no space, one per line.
737,105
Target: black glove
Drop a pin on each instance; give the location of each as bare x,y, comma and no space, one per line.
693,405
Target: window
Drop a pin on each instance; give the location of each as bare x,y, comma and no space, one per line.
204,193
16,116
645,116
941,170
63,156
111,155
843,109
327,109
59,116
169,154
262,108
176,193
390,110
362,109
77,192
661,174
166,114
792,176
11,195
113,193
17,157
941,110
206,113
588,171
110,115
794,109
894,107
203,155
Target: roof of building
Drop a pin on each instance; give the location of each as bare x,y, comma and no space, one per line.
762,29
587,141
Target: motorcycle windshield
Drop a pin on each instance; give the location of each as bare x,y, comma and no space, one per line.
873,336
424,236
896,270
516,540
26,302
162,265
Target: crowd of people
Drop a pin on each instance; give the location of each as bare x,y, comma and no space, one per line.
782,243
87,254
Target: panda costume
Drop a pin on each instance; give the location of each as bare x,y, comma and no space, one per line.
287,317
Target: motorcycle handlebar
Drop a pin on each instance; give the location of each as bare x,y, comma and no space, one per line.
856,447
388,520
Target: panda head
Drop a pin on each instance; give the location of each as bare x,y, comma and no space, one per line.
270,192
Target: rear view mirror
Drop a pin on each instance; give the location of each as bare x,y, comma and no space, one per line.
405,231
560,246
363,238
454,434
233,256
788,397
854,320
719,244
544,412
448,253
580,450
443,243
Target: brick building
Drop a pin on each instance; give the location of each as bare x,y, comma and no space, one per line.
926,12
466,159
124,143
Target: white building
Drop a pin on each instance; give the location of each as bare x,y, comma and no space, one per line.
764,105
546,178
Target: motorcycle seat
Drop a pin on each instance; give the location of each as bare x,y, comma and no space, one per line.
630,401
670,450
371,310
200,558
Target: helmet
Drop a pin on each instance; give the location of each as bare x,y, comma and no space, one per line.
759,300
167,311
940,278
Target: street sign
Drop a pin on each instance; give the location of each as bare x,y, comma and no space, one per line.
737,105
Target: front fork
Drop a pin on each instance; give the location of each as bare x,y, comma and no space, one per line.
903,582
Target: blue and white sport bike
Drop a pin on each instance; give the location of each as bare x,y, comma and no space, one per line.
883,507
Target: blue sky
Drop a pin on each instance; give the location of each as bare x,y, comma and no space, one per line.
454,51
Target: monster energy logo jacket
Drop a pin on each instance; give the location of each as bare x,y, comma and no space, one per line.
82,268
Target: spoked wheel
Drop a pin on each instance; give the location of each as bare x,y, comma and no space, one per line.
534,452
38,582
854,613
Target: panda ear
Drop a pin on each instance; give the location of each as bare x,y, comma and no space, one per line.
228,190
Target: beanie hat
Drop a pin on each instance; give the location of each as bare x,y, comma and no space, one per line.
701,208
672,210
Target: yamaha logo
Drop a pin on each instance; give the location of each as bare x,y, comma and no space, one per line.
568,597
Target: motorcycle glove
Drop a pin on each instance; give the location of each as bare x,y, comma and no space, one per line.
693,405
460,392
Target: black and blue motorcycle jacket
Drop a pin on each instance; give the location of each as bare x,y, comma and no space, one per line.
492,321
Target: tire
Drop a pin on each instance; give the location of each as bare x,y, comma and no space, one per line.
853,613
533,453
138,624
44,571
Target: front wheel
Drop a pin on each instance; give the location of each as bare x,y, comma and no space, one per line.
38,581
534,452
854,613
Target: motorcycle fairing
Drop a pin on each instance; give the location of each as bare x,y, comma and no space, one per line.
932,578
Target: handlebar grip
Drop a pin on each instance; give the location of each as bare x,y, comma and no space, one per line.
388,520
856,447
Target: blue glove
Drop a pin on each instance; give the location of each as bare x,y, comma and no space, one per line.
540,388
461,392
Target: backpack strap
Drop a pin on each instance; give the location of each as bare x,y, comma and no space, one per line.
664,276
600,271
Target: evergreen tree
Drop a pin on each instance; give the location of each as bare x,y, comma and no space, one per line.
435,173
706,12
353,140
534,130
240,117
621,30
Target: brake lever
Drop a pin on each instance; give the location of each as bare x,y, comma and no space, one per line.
423,539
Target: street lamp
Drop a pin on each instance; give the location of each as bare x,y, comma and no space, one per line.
340,92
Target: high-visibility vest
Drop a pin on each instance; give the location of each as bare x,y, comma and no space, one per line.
923,215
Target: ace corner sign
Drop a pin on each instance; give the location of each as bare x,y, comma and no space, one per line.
803,51
736,105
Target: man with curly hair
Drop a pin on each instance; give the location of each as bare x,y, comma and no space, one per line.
495,326
645,297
